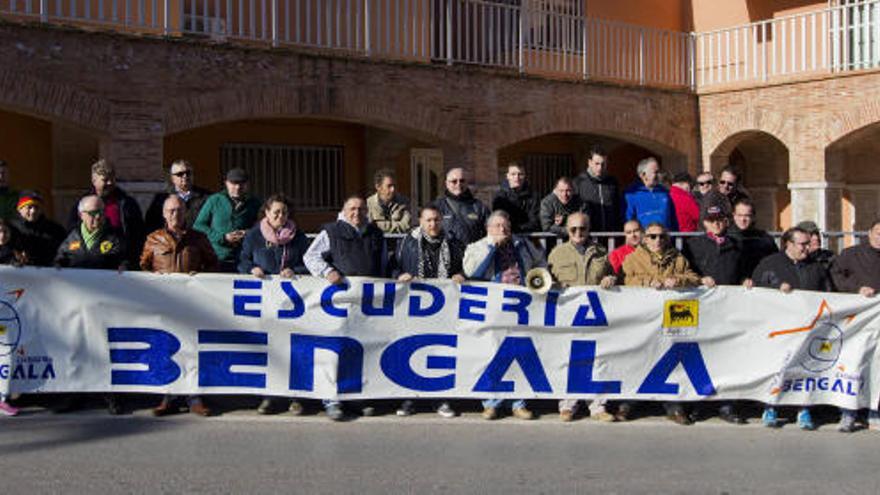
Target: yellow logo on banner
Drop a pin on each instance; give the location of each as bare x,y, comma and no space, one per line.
678,314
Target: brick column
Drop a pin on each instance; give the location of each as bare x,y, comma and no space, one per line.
817,201
134,146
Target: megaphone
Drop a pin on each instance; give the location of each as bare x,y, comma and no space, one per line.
539,280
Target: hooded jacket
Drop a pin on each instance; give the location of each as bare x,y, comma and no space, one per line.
522,205
601,195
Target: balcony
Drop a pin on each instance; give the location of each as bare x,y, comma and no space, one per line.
546,38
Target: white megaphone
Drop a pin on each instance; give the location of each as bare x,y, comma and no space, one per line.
539,280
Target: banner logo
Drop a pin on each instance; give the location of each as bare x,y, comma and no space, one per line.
825,342
681,314
10,326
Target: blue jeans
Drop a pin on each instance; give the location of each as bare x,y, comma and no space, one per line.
497,403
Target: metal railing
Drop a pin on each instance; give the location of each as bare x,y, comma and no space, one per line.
835,241
840,38
540,37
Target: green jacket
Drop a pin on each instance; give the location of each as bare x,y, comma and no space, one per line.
570,268
8,200
217,218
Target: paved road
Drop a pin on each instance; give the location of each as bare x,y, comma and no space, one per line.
91,452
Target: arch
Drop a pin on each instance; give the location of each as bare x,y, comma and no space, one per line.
719,136
323,102
764,163
845,161
44,99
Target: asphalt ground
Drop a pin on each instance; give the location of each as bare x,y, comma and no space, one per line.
239,451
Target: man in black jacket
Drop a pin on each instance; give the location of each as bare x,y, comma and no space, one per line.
518,200
718,260
756,244
121,211
600,193
558,205
793,268
463,214
38,236
180,177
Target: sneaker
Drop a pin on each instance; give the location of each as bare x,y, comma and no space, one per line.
490,413
446,411
770,418
604,417
7,410
406,409
367,411
874,420
566,415
805,420
334,412
679,417
267,406
847,422
114,405
296,408
523,413
624,410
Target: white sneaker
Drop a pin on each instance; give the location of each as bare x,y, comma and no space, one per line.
446,411
7,410
406,409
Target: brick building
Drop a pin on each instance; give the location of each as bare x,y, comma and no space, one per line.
314,95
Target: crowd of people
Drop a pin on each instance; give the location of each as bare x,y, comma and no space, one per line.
187,229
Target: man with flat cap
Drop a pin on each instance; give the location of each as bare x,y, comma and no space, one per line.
226,217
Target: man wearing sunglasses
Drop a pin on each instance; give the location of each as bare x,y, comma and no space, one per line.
92,244
656,263
705,183
729,186
180,182
463,214
580,262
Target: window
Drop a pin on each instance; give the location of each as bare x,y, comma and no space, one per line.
311,176
544,169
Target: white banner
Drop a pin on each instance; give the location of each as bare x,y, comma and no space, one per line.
98,331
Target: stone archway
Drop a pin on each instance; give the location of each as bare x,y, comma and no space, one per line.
763,161
851,160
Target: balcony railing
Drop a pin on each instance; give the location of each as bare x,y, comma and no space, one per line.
542,37
840,38
551,38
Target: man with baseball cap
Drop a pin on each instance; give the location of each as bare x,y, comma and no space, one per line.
226,217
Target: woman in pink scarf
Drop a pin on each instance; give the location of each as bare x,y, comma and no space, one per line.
274,246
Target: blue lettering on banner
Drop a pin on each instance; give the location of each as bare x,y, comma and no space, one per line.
690,357
438,299
467,306
550,309
327,300
822,383
520,307
215,366
161,346
240,301
4,371
519,349
580,371
299,306
302,362
598,319
395,363
369,293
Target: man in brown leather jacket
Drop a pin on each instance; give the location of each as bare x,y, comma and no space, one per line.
176,249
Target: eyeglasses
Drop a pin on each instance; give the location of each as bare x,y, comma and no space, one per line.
704,182
577,229
184,173
726,183
654,237
94,213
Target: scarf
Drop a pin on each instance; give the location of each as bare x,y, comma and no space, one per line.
426,262
280,237
90,238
